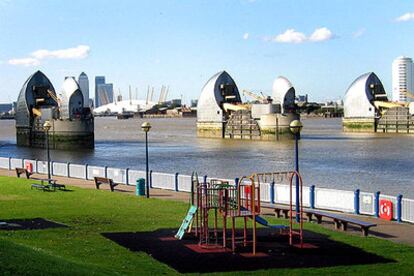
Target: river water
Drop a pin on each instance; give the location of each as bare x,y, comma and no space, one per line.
328,157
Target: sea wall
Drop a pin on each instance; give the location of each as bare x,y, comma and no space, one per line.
64,135
358,124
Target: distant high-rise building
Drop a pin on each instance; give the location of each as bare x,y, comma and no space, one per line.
402,78
98,81
84,86
105,93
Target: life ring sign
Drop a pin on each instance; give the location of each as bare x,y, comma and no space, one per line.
29,166
385,209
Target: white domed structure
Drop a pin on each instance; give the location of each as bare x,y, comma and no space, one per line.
219,89
72,125
120,107
361,94
72,99
283,93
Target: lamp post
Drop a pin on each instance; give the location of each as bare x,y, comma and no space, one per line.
295,127
146,128
46,127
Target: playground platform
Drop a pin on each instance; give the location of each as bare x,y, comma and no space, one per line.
390,230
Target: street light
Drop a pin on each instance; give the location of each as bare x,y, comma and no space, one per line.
146,128
295,127
46,127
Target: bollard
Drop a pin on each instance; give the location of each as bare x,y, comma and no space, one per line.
106,171
312,196
205,180
356,201
272,192
51,167
37,171
68,169
176,182
127,176
150,179
236,182
9,163
377,199
399,208
86,171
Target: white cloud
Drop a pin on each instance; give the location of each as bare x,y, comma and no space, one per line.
79,52
321,34
405,17
246,36
359,33
291,36
24,61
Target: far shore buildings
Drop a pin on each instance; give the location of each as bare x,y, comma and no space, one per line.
84,86
104,92
402,79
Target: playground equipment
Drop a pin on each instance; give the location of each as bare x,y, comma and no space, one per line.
214,199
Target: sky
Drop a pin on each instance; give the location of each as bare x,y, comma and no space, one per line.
320,46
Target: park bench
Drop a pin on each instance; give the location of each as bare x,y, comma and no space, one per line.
40,187
278,209
340,220
47,184
103,180
20,171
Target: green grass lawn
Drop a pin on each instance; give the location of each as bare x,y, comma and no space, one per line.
80,249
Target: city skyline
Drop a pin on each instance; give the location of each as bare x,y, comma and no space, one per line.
182,44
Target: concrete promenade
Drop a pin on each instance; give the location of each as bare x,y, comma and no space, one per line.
390,230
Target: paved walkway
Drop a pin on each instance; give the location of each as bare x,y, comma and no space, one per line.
391,230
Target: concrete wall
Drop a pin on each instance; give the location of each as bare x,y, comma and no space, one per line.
210,130
358,124
65,135
276,126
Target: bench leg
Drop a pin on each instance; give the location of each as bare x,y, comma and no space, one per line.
344,225
364,231
286,213
112,188
318,219
97,186
277,213
309,217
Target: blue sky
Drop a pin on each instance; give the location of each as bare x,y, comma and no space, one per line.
321,46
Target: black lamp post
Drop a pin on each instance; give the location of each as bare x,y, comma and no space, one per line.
146,128
46,127
295,127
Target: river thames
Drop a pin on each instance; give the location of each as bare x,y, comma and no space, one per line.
328,157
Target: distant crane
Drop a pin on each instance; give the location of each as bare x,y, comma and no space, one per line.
260,98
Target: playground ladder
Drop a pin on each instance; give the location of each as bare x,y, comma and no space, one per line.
186,222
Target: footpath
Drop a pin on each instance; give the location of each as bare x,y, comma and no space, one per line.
390,230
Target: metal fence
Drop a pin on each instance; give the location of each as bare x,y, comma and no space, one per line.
337,200
77,171
407,210
60,169
367,203
279,193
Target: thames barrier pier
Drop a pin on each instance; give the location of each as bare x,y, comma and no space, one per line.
367,108
72,123
222,114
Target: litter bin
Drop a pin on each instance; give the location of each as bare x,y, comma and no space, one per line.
140,187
